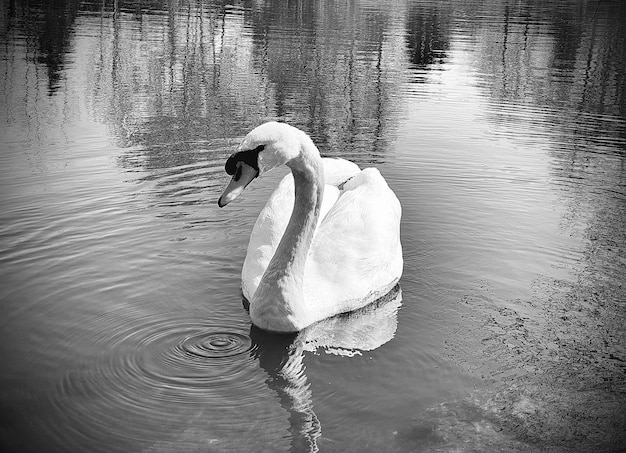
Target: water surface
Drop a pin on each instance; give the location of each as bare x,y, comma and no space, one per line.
499,125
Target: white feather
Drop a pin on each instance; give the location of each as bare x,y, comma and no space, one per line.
355,255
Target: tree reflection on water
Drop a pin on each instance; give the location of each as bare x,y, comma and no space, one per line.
177,72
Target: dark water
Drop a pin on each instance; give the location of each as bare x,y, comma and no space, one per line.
499,124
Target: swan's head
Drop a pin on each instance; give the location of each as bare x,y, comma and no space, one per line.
267,146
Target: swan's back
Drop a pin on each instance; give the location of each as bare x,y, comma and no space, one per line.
355,256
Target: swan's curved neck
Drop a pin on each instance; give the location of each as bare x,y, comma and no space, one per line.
279,296
294,246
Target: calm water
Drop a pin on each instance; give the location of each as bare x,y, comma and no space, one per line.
501,127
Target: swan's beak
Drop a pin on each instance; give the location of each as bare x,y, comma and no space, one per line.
242,177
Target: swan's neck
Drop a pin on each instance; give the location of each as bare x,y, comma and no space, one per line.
278,301
291,254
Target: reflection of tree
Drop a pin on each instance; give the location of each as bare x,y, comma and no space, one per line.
223,70
571,56
168,77
333,70
568,62
166,81
428,34
50,24
604,83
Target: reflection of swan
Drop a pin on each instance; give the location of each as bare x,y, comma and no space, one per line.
362,330
282,357
326,242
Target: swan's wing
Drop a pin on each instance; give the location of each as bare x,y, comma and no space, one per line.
356,250
272,221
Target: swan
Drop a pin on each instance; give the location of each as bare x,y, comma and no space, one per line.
326,242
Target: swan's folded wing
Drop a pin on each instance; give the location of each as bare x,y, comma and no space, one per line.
356,250
266,234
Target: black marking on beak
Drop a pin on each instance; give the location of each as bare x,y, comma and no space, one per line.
250,157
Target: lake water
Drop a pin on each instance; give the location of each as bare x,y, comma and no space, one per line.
500,125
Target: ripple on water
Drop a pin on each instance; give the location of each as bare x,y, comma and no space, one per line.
164,375
186,355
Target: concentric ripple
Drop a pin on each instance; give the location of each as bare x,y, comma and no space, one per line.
216,344
150,368
179,353
191,355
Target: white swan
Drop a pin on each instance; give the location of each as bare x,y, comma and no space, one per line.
326,242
